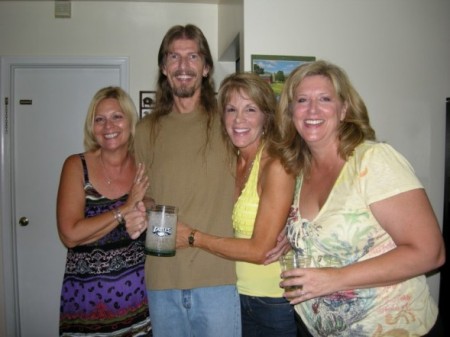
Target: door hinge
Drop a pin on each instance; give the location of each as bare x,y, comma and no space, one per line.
6,115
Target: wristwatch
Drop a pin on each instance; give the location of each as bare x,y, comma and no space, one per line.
191,238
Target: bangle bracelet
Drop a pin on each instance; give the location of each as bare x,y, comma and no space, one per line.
191,238
118,216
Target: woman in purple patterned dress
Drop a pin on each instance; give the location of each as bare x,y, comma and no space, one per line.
103,291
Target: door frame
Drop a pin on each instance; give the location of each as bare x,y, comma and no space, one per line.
8,251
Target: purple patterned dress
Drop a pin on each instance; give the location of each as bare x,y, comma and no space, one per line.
103,291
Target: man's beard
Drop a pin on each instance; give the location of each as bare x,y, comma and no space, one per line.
184,91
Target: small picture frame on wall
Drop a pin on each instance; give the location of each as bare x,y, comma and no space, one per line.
146,102
276,68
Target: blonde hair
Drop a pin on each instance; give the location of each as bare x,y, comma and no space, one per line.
128,108
353,130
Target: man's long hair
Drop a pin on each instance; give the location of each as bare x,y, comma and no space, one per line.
164,99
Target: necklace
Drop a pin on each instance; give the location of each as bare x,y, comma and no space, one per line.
108,179
249,169
247,173
240,183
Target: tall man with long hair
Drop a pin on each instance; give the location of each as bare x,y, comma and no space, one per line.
180,143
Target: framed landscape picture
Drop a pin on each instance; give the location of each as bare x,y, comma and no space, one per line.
276,68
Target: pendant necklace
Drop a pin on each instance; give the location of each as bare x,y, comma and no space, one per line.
247,172
108,179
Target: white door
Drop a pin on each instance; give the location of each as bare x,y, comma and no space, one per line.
47,107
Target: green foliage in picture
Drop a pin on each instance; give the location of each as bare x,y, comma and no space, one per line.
275,69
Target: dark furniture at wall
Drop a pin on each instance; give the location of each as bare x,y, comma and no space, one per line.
444,291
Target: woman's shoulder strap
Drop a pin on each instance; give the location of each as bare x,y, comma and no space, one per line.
85,170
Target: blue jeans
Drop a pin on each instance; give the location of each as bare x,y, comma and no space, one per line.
198,312
267,317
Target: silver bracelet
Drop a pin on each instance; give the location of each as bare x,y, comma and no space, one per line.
118,216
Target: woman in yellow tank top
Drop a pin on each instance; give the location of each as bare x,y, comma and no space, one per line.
263,195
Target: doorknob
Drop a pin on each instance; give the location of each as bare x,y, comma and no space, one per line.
24,221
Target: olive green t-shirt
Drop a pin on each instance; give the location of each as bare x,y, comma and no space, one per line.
200,183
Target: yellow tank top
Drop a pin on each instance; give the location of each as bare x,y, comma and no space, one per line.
253,279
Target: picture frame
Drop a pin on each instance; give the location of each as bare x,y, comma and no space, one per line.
146,102
276,68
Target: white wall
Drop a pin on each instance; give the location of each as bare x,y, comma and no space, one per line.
103,28
230,23
396,52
